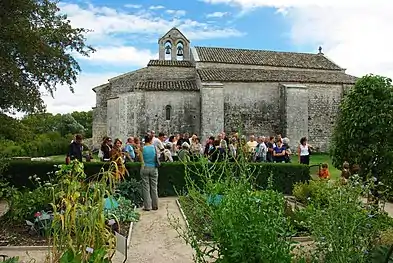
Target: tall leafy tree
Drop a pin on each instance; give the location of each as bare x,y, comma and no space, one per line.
36,47
42,122
85,118
363,133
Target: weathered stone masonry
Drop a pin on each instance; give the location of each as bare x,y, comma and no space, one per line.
207,90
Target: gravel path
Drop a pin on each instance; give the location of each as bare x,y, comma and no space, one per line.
154,240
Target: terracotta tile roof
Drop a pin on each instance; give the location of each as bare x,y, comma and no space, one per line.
163,85
263,75
170,63
265,57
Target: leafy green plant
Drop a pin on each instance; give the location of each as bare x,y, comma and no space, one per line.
344,228
12,260
125,212
24,204
97,256
6,190
245,225
131,189
313,190
363,131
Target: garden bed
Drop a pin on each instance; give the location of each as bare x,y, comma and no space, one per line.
20,235
198,224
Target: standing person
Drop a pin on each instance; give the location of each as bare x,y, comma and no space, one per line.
184,153
303,151
118,156
105,149
209,146
288,151
137,149
129,149
75,150
279,152
149,175
167,152
270,147
261,150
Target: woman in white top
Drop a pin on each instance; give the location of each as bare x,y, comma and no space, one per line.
303,151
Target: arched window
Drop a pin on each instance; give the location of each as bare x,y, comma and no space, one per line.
168,50
179,51
168,110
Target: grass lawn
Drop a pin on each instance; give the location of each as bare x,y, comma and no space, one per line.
324,158
314,159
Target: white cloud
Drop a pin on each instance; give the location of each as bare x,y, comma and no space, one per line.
107,22
133,6
177,13
217,14
120,56
84,97
355,34
156,7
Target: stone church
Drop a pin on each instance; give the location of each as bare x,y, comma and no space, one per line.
206,90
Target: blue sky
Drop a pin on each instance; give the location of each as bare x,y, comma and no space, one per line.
125,34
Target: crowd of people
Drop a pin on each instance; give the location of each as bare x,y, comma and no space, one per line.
184,147
152,150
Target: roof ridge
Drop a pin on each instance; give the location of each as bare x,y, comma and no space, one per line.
264,50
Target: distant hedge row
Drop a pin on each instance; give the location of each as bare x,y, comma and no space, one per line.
171,175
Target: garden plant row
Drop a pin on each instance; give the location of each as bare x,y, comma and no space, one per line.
171,175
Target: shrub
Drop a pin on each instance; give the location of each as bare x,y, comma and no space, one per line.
313,190
171,178
344,228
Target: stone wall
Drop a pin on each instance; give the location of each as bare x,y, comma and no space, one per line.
294,110
134,113
258,108
185,112
100,113
212,109
113,118
323,106
252,107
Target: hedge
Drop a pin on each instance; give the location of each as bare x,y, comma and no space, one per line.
171,175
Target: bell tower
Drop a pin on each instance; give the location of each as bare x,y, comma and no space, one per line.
174,46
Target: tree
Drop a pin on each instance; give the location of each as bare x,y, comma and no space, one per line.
41,123
363,132
68,125
85,118
14,130
36,43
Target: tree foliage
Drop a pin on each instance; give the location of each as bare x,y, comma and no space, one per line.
36,47
32,125
363,133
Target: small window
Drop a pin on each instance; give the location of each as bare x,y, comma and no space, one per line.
168,110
